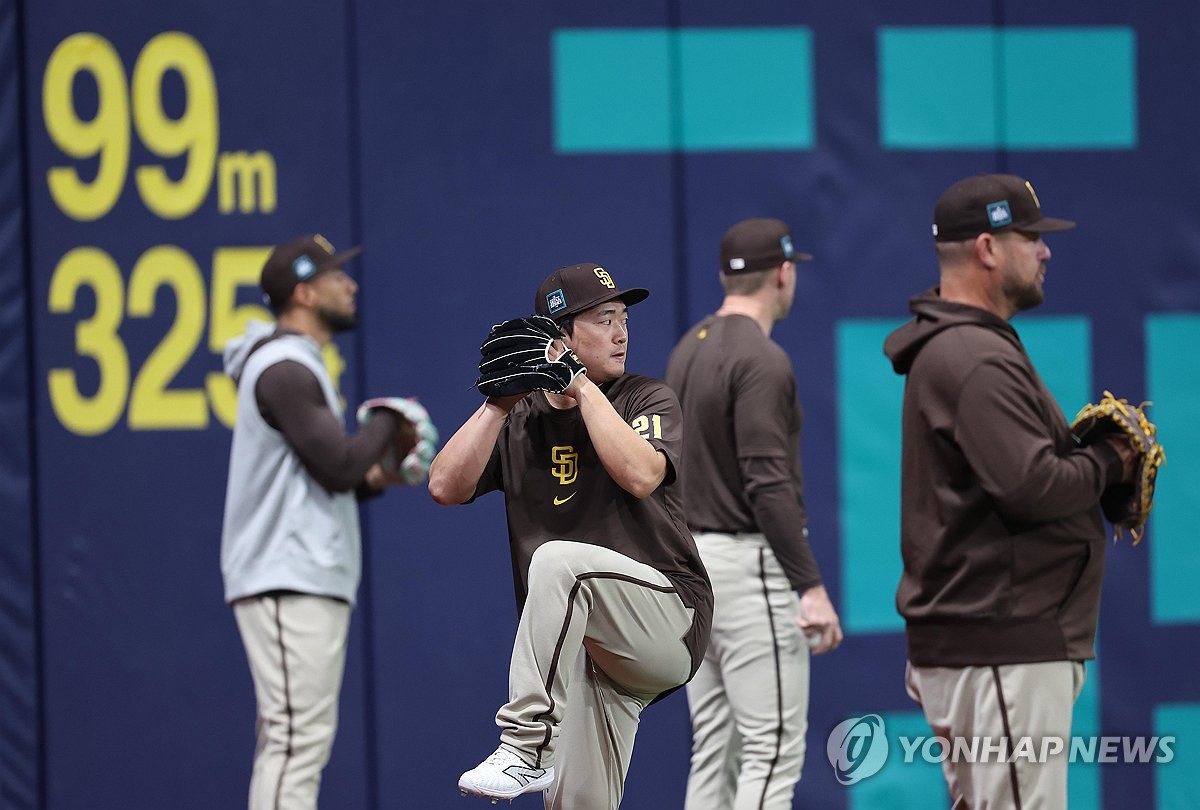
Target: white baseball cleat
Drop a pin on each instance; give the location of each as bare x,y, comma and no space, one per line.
504,775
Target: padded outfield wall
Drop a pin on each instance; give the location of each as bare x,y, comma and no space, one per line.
150,155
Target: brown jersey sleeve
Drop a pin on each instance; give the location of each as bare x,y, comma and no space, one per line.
779,512
492,477
766,427
289,397
652,410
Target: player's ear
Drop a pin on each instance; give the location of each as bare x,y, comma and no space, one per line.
987,248
303,294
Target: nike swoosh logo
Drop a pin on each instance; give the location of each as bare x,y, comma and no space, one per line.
560,501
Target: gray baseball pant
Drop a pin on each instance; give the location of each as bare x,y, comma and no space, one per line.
296,646
1009,701
600,636
749,700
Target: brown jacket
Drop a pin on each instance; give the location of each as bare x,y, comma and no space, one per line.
1001,537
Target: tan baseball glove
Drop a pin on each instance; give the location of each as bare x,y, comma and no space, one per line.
1126,505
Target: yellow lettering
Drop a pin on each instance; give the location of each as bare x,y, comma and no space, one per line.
247,178
605,278
566,462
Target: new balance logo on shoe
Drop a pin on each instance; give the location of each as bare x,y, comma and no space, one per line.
525,775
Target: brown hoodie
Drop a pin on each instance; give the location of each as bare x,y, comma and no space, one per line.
1001,537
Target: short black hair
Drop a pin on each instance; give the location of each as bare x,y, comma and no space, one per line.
567,325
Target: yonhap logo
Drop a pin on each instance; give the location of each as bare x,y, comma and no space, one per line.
857,748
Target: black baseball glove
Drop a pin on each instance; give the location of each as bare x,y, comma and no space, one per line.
518,356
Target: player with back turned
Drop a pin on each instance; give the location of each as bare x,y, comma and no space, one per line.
614,601
744,500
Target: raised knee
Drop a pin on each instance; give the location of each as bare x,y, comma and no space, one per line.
552,557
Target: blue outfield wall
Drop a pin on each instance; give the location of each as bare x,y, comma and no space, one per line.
20,690
153,154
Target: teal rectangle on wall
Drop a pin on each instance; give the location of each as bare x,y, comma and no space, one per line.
978,87
1173,385
869,396
612,90
937,88
1175,783
746,88
870,399
698,89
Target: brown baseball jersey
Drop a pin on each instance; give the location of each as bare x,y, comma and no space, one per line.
739,393
557,489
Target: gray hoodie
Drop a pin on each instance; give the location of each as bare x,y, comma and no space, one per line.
1001,537
283,530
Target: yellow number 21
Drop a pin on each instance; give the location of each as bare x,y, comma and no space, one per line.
648,428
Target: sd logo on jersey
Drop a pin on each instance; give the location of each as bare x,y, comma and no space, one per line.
566,468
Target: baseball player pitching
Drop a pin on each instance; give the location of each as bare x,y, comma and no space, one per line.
615,603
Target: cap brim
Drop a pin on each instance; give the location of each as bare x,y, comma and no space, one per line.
629,297
634,295
801,257
339,259
1047,225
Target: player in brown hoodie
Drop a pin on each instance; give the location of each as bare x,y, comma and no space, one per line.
1001,537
